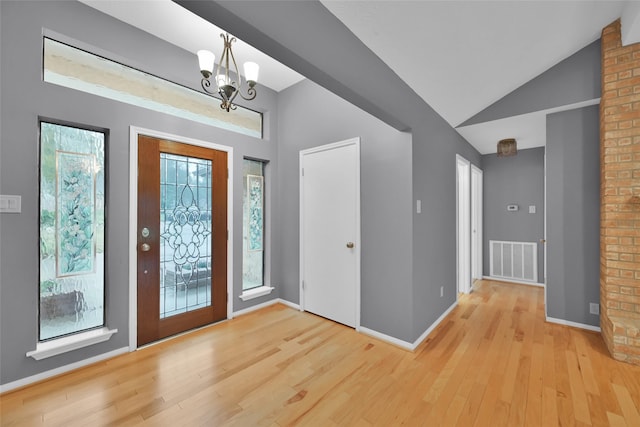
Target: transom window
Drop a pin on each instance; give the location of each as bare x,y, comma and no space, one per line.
74,68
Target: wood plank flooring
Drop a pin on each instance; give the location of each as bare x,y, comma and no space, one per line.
493,362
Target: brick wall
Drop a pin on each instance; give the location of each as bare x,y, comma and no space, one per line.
620,196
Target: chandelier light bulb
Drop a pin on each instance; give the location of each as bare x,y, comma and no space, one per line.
206,59
221,80
251,70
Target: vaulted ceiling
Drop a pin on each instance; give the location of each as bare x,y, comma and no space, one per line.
459,56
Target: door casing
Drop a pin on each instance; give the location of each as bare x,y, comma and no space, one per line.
357,239
134,132
463,224
476,223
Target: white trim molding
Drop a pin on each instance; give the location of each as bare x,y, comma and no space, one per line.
573,324
434,325
290,304
387,338
405,344
266,304
519,282
250,294
61,370
69,343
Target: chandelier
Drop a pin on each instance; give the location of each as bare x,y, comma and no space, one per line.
224,83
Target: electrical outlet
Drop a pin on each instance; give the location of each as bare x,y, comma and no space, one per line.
441,291
594,308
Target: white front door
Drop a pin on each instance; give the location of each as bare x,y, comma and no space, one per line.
330,231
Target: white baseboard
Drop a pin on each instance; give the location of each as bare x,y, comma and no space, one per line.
265,304
520,282
289,304
573,324
255,307
61,370
405,344
388,338
439,320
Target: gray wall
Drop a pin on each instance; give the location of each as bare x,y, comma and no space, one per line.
573,214
401,282
514,180
435,145
25,97
574,79
308,38
311,116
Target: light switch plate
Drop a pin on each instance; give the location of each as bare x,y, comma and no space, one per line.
10,204
418,206
532,208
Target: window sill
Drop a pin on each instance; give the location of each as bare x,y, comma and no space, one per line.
256,292
70,343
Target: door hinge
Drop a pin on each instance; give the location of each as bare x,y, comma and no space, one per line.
227,173
303,284
302,171
227,234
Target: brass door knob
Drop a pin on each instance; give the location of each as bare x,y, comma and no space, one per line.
145,247
350,245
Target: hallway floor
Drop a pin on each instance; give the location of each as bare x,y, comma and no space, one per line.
493,361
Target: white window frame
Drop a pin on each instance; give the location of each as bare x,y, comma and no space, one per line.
266,288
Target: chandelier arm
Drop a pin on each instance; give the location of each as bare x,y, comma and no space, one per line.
206,84
251,94
235,65
221,61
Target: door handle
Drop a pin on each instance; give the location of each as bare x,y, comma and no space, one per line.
145,247
350,245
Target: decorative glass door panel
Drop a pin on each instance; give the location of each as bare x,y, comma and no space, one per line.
185,239
182,206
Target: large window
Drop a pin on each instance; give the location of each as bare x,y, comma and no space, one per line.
74,68
253,225
72,229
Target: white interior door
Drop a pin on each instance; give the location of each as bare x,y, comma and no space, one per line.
463,220
330,231
476,223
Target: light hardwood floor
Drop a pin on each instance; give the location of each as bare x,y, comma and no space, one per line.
493,362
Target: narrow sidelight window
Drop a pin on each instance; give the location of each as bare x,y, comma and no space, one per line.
72,229
253,224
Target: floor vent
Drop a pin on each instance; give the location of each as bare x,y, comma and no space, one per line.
514,260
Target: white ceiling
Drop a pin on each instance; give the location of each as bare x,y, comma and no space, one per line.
167,20
459,56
